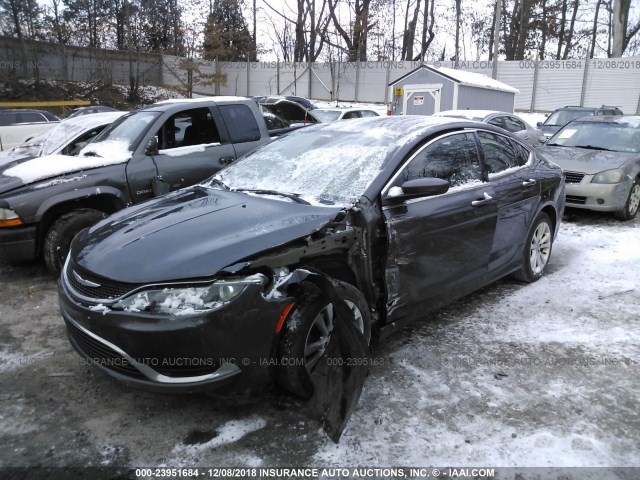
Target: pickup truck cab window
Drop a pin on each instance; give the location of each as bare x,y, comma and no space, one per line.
241,123
188,128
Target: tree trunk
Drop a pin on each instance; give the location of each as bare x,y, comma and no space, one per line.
561,35
571,27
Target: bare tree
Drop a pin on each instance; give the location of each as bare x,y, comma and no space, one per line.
356,39
622,31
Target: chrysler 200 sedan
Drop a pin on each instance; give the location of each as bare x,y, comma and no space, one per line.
241,281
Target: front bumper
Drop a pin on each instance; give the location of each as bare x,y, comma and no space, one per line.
234,346
18,243
597,196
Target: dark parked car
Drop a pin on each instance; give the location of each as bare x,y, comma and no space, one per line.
562,116
243,278
601,160
305,102
24,115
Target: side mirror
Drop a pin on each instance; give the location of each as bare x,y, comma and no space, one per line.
419,187
539,124
152,147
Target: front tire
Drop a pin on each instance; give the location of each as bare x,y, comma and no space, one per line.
537,250
58,239
633,202
307,333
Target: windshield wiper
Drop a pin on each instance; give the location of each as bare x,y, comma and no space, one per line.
293,196
592,147
215,181
554,144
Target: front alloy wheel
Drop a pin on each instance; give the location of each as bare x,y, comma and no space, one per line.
630,208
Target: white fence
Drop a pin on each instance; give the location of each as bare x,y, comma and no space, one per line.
543,85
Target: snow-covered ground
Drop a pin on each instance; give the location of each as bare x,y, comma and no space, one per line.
515,375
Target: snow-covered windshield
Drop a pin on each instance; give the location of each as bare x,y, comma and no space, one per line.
59,136
127,130
327,115
319,166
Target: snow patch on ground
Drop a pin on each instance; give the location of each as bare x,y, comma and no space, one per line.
228,433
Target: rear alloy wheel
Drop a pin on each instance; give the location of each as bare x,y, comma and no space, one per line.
307,333
537,250
633,202
58,239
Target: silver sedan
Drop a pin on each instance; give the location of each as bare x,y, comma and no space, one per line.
508,121
601,160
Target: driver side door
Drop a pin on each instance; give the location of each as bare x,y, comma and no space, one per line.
438,247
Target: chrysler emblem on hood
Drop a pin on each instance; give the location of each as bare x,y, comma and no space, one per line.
84,282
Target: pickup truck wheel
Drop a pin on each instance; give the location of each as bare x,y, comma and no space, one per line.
307,333
58,238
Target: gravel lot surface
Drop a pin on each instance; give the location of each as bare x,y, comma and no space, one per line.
515,375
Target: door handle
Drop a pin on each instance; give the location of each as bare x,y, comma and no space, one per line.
487,199
530,183
226,160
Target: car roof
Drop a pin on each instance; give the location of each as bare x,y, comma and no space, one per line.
345,109
472,113
587,109
632,120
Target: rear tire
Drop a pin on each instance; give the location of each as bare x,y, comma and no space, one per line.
537,250
633,202
62,231
307,333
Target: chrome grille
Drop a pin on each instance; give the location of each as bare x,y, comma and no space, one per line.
573,177
106,289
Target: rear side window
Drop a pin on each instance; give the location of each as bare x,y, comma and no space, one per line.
500,153
496,122
241,123
513,124
350,115
31,117
7,119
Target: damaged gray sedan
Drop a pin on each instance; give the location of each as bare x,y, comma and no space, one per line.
337,230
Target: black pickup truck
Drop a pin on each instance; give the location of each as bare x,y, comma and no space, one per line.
46,201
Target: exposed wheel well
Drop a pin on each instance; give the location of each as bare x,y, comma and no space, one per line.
104,203
336,268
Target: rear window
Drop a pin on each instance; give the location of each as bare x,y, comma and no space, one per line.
241,123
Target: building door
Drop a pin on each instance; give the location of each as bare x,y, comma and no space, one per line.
422,99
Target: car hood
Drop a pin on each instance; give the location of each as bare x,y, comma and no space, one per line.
192,233
9,182
32,170
573,159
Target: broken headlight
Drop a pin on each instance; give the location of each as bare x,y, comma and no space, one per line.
188,300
